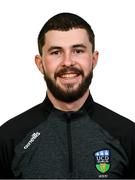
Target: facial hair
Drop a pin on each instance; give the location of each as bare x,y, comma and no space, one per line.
69,95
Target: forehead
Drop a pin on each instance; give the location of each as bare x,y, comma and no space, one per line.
66,38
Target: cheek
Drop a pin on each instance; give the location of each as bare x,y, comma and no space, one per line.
49,68
87,70
86,66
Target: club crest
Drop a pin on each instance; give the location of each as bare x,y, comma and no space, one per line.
102,159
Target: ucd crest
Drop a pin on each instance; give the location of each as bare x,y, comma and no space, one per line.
102,160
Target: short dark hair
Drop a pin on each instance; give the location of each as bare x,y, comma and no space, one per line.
65,22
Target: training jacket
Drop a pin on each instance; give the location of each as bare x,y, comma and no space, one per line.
46,143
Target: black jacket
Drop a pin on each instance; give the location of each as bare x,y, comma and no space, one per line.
44,142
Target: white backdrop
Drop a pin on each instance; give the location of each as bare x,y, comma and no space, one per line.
113,21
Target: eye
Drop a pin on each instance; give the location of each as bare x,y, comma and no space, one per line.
78,51
55,53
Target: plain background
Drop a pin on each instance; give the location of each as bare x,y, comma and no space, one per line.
113,21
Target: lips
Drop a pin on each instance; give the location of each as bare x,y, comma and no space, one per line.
68,73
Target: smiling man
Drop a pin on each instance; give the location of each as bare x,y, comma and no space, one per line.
67,62
68,135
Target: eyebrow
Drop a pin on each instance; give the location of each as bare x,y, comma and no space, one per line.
79,46
73,46
54,47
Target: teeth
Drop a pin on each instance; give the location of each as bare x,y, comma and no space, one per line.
68,75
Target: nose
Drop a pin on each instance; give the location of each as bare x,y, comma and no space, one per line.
67,59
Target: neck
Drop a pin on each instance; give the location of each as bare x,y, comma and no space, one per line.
64,106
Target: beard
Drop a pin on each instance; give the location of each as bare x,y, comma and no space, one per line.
69,95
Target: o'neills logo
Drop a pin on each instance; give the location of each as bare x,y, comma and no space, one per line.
32,139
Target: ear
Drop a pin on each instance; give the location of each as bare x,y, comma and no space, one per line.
38,62
95,58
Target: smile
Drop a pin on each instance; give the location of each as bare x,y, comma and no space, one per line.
69,75
69,78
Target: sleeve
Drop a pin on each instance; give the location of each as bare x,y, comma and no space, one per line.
132,155
129,145
6,154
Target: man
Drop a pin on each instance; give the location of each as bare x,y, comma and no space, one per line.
68,135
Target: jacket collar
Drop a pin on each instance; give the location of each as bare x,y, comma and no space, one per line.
88,105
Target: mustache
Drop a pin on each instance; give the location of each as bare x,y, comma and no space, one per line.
69,69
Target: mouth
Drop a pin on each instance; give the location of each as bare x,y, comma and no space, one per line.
68,75
70,78
69,72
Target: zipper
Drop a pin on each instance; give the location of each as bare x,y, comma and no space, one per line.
69,143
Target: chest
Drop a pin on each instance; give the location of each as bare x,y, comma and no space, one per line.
71,147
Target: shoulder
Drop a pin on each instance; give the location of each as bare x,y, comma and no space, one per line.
20,125
117,126
111,119
121,128
14,130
